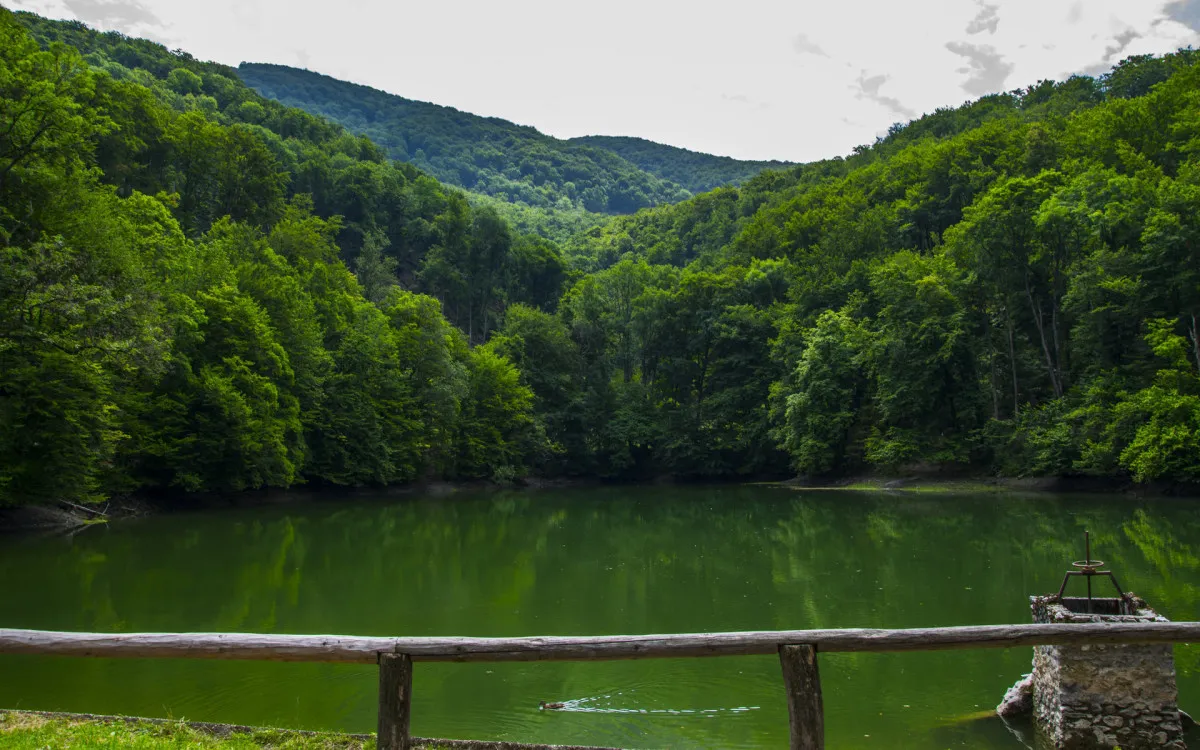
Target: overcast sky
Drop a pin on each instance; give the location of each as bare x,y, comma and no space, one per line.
761,79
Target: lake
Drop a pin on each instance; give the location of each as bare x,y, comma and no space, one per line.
609,560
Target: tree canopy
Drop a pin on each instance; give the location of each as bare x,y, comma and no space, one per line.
546,185
202,289
177,310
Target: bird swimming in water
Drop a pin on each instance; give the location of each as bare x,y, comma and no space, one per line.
543,706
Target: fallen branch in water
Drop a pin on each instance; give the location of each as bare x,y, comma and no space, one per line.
85,509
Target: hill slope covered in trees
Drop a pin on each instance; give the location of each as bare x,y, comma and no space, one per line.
1011,285
497,158
692,170
1008,287
176,309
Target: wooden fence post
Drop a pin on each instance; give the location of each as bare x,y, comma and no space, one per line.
395,701
806,709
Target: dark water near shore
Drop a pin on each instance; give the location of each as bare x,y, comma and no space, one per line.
588,561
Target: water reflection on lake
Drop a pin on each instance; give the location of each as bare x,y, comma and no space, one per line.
588,561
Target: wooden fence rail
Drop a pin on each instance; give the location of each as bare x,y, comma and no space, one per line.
797,651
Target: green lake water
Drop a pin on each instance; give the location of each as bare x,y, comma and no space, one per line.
588,561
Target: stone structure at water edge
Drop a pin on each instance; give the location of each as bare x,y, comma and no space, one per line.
1103,696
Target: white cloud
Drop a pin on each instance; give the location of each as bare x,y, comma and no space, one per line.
795,80
987,19
986,68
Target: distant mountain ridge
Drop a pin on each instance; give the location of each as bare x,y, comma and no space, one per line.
493,157
695,171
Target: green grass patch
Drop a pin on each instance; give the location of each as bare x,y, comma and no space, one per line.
28,731
912,486
933,487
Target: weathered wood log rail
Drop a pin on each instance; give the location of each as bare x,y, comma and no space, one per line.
797,651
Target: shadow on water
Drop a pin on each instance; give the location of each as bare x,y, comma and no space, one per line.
588,561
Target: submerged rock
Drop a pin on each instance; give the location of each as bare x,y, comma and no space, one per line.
1018,701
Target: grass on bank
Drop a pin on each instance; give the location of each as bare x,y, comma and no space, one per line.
26,731
916,485
929,486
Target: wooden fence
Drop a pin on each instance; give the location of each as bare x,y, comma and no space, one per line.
797,650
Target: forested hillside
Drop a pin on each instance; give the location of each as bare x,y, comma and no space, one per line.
393,220
692,170
496,158
1012,286
483,154
175,306
203,289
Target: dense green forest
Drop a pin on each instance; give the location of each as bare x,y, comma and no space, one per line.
176,308
696,172
203,289
484,154
546,184
1010,285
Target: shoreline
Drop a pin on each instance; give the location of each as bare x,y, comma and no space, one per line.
71,518
978,483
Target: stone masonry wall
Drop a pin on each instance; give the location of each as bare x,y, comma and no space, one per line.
1105,696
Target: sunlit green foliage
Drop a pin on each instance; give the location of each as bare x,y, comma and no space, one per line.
694,171
1012,286
211,337
485,155
195,131
1009,286
540,185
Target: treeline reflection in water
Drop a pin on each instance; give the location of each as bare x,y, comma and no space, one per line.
587,561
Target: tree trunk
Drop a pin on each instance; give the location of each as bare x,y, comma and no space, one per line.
995,388
1039,321
626,356
1058,355
703,381
483,310
1195,336
1012,359
994,385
